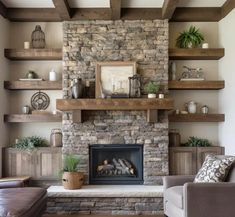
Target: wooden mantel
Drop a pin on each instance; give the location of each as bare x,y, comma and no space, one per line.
150,105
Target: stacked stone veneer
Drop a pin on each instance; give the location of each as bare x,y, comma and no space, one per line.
146,42
105,206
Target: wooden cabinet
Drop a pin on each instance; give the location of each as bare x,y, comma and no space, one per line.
42,164
188,160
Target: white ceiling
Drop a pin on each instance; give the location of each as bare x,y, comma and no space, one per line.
201,3
105,3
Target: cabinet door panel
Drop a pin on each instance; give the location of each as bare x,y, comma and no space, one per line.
49,163
18,163
202,152
182,161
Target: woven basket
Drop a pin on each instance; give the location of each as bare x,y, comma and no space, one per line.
72,180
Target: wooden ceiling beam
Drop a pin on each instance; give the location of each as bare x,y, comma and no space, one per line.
227,7
141,13
209,14
33,15
168,8
51,15
3,10
63,9
115,8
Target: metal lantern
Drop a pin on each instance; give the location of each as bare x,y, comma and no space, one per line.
134,86
38,38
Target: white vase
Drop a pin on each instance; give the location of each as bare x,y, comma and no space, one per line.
152,95
53,75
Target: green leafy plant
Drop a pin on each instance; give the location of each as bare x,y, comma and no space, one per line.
70,163
189,38
197,142
30,143
152,87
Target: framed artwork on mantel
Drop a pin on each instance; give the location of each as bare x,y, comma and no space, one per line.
112,79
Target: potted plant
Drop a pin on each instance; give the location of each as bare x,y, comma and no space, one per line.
197,142
152,88
189,38
30,143
71,178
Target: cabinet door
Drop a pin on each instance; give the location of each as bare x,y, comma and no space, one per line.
49,163
202,152
18,163
182,160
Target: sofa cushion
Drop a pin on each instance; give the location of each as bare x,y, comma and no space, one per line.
174,195
18,201
231,174
214,169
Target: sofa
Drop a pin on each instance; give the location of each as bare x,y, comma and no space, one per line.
183,198
19,201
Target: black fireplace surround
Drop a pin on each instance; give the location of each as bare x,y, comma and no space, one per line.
116,164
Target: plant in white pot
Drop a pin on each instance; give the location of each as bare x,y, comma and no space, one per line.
71,178
190,38
152,88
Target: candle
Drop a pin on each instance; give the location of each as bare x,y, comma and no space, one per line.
26,45
205,45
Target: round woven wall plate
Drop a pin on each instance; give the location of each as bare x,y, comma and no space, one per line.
40,101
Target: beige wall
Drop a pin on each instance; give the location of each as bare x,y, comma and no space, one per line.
210,98
20,32
4,74
226,72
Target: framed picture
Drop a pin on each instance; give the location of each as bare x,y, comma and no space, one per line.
112,79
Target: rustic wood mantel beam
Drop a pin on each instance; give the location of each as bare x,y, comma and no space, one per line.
3,10
227,7
168,8
63,9
115,7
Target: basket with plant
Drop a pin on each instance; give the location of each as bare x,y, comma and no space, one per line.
71,178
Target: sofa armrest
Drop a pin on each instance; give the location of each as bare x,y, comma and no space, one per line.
170,181
209,199
11,184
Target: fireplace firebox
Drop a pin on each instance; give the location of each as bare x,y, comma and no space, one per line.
116,164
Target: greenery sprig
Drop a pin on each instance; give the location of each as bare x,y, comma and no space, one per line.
30,143
197,142
71,163
152,87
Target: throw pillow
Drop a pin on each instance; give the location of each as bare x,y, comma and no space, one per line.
214,169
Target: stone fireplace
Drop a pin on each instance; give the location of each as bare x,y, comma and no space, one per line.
146,42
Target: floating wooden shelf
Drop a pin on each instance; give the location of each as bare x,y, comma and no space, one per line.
196,85
33,85
22,118
150,105
197,118
114,104
34,54
196,54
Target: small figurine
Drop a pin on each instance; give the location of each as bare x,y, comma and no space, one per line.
192,74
